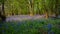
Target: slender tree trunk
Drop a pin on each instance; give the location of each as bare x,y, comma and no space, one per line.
31,9
56,8
38,10
3,12
46,15
3,17
46,11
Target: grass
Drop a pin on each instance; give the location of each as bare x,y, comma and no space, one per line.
42,26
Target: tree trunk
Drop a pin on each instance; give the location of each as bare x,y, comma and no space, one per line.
3,17
3,12
30,4
56,14
46,15
56,8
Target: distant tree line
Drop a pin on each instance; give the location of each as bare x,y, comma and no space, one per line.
30,7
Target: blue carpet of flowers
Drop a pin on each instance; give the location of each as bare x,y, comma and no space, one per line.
31,27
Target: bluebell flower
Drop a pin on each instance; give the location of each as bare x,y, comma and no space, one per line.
6,26
31,26
3,31
12,24
0,25
52,32
49,32
44,26
49,26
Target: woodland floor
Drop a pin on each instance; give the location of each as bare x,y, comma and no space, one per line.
23,17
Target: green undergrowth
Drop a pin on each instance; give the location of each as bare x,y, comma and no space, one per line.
32,27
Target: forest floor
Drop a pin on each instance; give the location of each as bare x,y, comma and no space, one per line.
33,25
24,17
28,17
